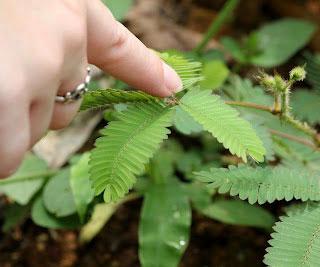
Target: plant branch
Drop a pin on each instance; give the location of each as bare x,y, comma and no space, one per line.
216,24
250,105
302,126
295,139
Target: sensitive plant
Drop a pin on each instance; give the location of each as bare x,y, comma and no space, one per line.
269,133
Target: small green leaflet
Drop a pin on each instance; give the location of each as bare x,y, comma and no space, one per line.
126,146
296,241
103,98
224,123
263,184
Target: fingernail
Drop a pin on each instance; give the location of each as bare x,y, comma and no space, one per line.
172,79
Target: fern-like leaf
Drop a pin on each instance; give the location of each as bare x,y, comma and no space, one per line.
263,184
305,105
313,69
296,241
189,71
224,123
126,145
100,99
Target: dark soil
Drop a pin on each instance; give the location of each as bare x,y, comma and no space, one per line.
212,244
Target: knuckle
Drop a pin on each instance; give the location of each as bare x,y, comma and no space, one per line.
116,49
120,37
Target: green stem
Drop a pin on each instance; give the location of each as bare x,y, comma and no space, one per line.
216,24
28,177
302,126
284,106
285,98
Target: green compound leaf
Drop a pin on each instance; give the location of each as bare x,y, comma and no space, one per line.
313,69
126,146
243,90
266,138
101,99
280,40
190,72
215,73
296,241
306,105
263,184
224,123
164,226
237,212
184,123
26,182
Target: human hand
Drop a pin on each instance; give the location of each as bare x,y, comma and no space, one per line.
45,47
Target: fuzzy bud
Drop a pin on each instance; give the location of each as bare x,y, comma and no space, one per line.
281,84
267,81
298,74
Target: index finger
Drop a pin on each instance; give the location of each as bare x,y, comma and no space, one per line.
113,48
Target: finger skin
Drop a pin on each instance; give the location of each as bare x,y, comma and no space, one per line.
45,48
14,132
118,52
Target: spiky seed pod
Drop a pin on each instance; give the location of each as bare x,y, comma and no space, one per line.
267,81
298,74
281,84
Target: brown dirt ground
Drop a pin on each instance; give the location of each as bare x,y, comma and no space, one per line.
212,244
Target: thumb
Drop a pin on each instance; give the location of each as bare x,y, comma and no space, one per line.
114,49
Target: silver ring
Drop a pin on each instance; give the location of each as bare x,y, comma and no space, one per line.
77,93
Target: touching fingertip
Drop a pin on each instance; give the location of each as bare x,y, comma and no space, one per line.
171,79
